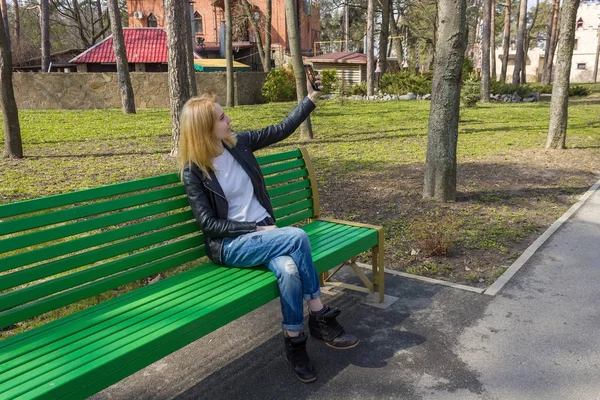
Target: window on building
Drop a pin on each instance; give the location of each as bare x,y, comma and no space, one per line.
580,23
152,21
197,22
580,65
575,45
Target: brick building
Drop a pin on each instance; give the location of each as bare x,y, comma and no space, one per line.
209,16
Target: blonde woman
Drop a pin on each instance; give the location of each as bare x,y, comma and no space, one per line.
230,202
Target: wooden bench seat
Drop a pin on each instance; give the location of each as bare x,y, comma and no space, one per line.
81,244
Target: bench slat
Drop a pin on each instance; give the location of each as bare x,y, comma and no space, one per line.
173,318
122,320
285,177
39,290
277,157
291,198
282,167
288,188
70,214
91,241
62,299
294,218
292,208
46,235
61,200
79,260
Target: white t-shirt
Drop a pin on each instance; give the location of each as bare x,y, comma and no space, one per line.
238,189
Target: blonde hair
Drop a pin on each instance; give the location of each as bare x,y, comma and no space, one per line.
197,144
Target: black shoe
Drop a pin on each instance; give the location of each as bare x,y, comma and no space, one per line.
325,328
295,351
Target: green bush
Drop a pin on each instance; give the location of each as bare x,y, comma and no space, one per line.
467,68
579,90
279,85
540,88
329,80
470,93
359,90
523,91
404,82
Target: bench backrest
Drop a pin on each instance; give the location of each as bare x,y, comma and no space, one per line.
58,250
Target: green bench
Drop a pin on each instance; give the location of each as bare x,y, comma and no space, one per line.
57,251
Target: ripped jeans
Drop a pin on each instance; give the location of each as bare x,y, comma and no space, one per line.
286,252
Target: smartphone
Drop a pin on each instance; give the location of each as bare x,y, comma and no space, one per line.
310,73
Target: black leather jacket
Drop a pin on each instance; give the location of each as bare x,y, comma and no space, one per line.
206,196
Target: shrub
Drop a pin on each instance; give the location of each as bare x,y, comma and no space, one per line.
404,82
579,90
329,80
540,88
359,90
279,85
467,68
497,87
470,93
433,234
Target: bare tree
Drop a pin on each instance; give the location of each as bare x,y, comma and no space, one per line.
493,40
229,54
5,18
264,51
442,133
384,35
485,52
597,56
516,79
45,31
370,50
559,106
190,46
505,41
125,87
13,146
291,18
177,44
551,42
79,16
527,42
17,22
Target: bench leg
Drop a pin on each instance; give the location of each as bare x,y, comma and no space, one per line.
378,272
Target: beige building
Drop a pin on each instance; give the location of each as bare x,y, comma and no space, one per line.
584,53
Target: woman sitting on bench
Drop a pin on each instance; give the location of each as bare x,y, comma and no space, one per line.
229,199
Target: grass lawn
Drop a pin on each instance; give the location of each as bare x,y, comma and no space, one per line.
369,157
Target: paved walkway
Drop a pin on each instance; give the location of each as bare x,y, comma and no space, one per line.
539,338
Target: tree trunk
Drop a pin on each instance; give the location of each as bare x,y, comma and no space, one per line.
557,133
505,41
45,31
516,79
177,44
127,98
485,52
190,46
229,54
13,146
528,41
100,19
5,18
268,37
597,56
551,43
291,19
263,52
370,50
17,23
384,35
346,27
493,40
442,132
397,43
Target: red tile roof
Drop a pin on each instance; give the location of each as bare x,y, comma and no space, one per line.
340,57
143,45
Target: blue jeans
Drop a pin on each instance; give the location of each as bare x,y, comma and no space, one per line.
286,252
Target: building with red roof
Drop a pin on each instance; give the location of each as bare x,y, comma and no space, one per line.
146,50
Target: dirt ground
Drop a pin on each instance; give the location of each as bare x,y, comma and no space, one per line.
502,206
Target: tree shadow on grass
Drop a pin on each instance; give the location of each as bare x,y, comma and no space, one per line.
114,154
